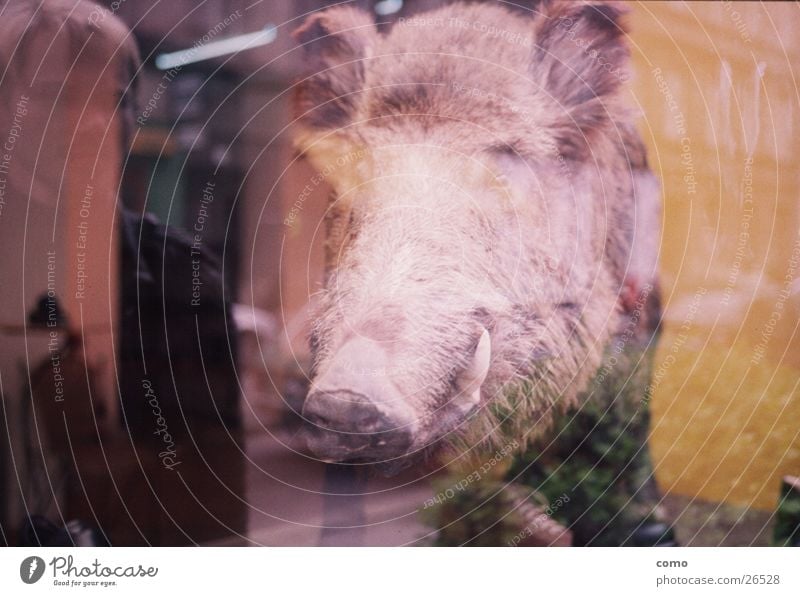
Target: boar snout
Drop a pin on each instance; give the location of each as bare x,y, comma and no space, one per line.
354,411
348,426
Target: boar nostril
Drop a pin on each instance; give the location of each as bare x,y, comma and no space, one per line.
371,423
345,412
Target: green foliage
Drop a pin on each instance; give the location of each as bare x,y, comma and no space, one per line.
596,455
483,514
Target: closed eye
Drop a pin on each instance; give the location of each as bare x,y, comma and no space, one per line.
510,149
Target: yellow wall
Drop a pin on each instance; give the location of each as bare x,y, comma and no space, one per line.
725,419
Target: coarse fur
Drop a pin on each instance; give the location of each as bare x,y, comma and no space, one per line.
485,171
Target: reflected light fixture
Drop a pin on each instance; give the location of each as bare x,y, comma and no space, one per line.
387,7
214,49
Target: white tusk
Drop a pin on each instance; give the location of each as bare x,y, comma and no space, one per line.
469,381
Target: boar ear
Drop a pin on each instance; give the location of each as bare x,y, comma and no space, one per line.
469,381
580,60
335,42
